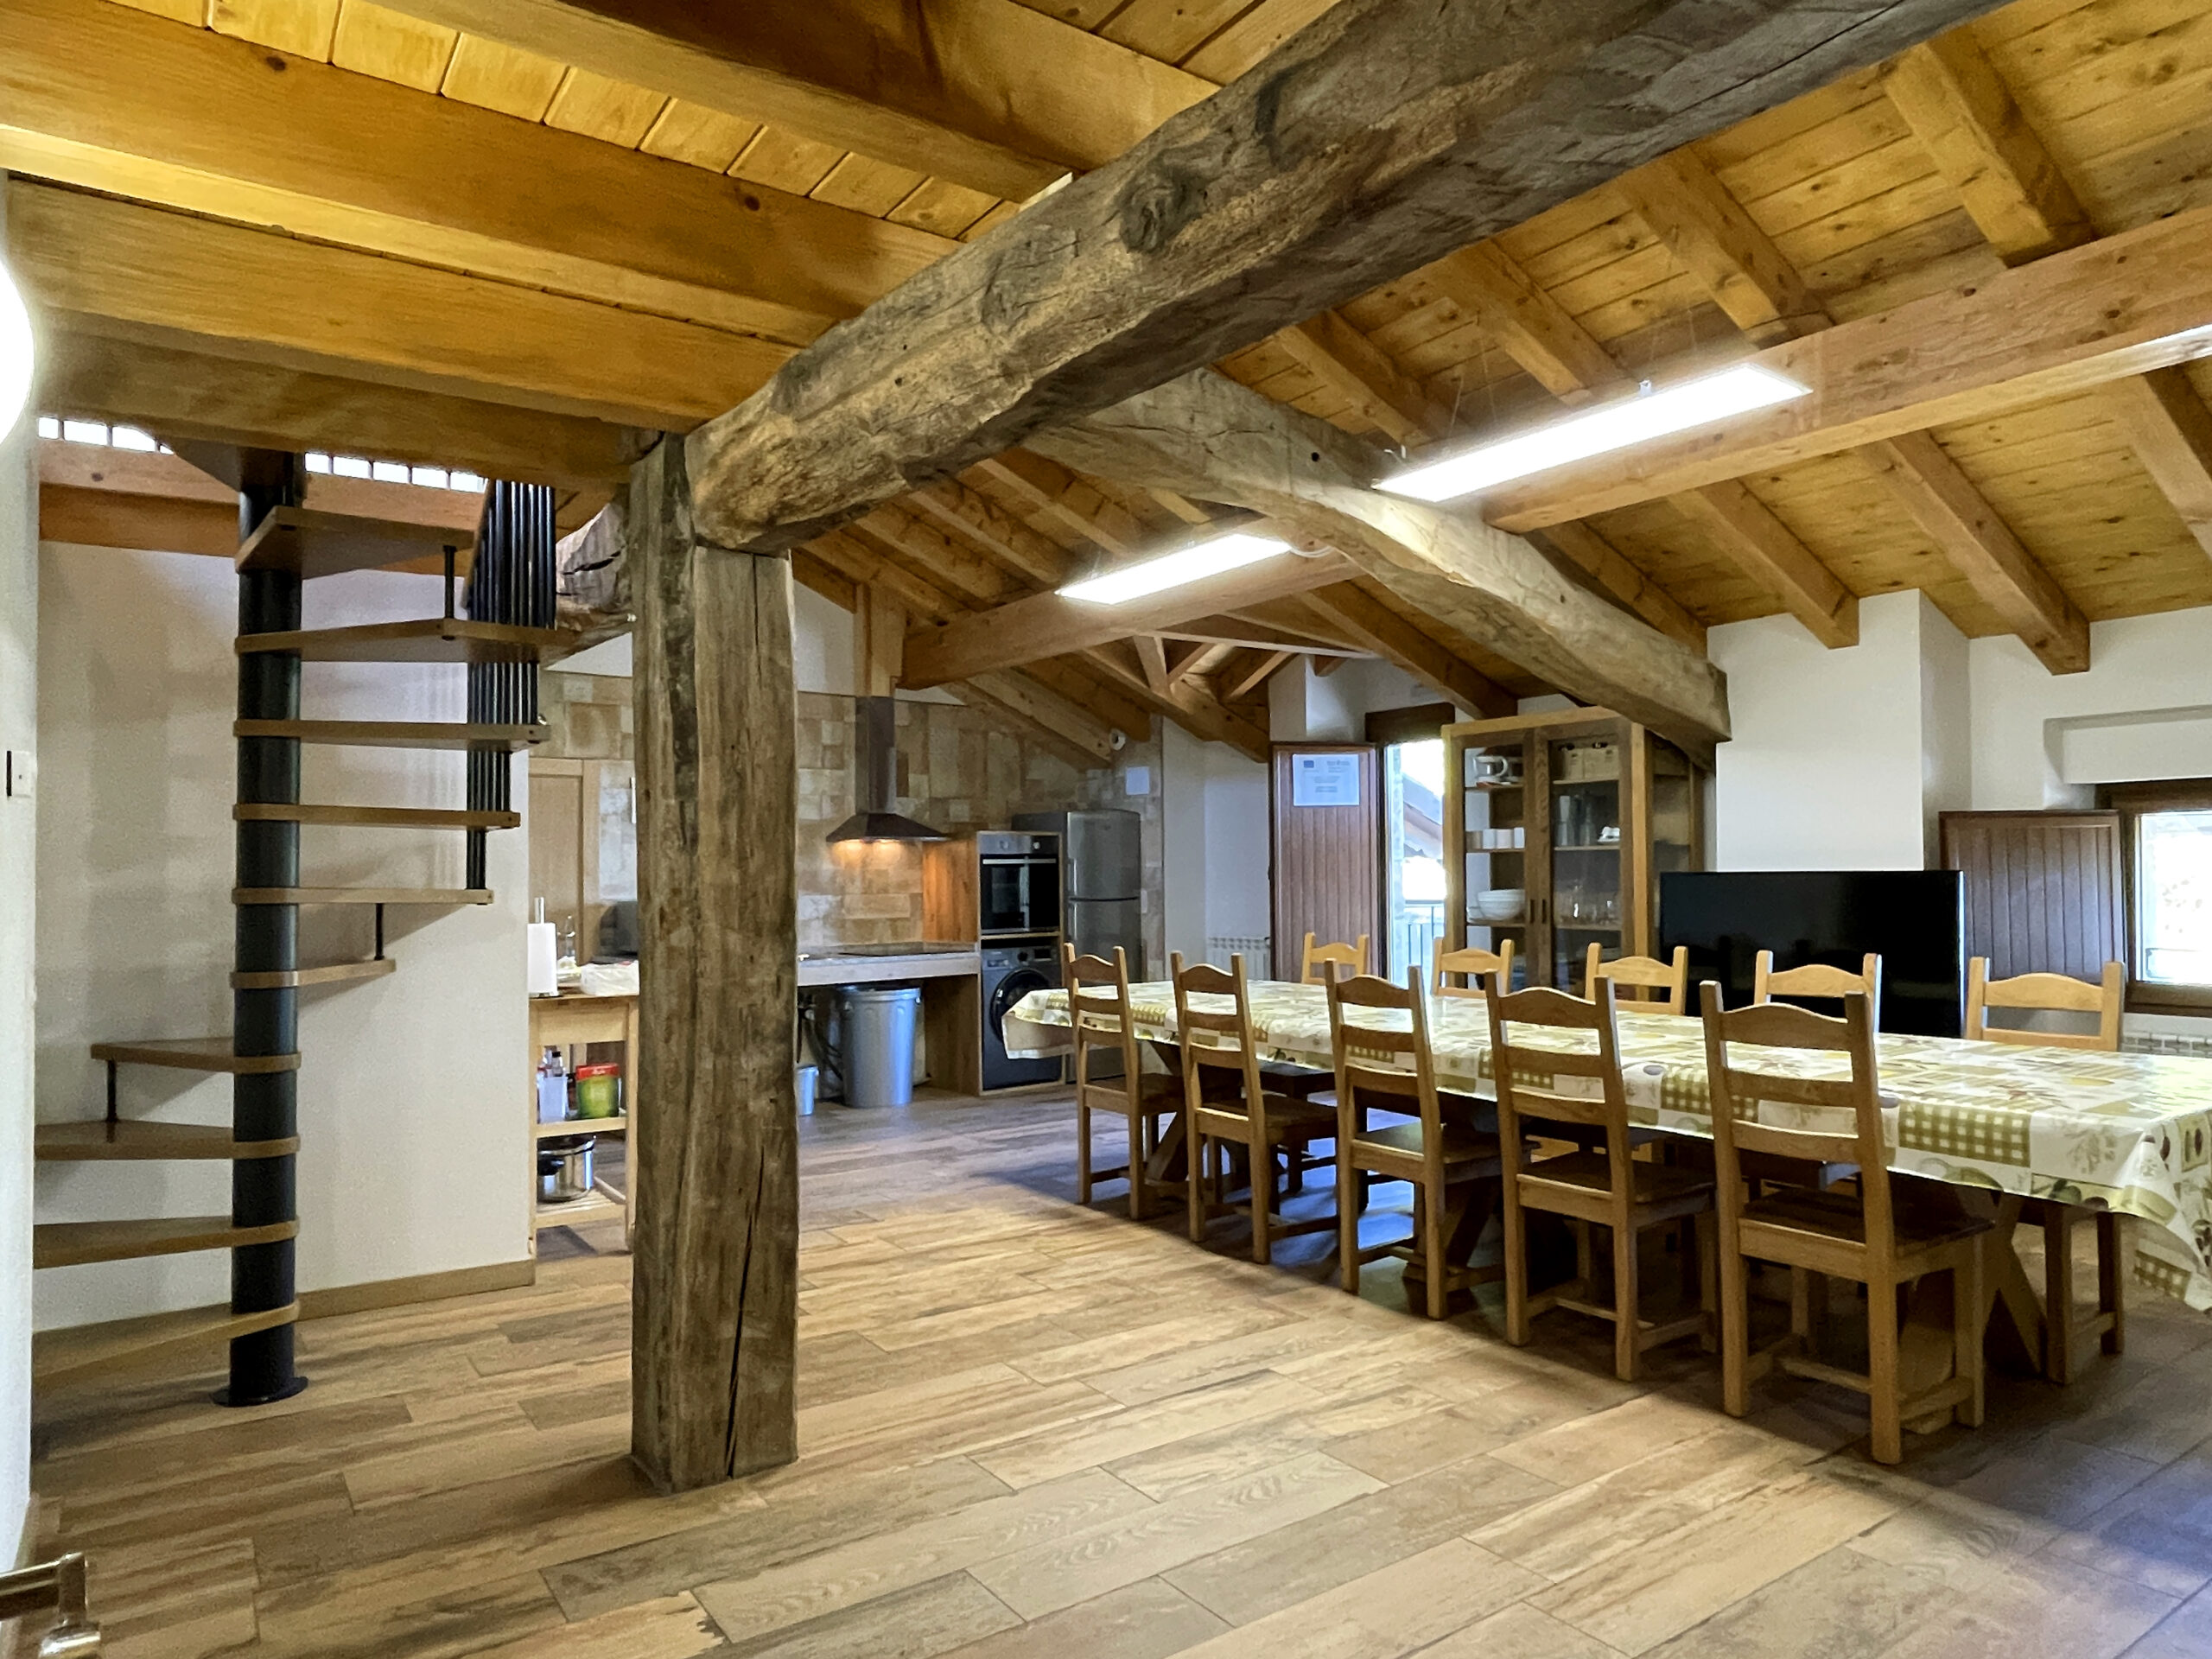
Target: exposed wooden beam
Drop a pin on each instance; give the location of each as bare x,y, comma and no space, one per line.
1256,209
1071,501
1397,641
879,637
187,391
1745,529
1963,112
108,266
1205,435
2171,430
940,553
1081,682
1184,658
1152,658
2121,306
1188,702
1492,291
713,1360
1361,374
1244,685
1243,630
1082,737
989,93
111,98
1592,553
1046,624
1183,508
1755,282
966,511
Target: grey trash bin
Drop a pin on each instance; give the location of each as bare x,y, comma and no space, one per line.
878,1043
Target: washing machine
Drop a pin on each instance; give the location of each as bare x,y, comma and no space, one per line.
1013,968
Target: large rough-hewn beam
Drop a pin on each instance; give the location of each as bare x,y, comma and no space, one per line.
1204,434
1378,139
715,1295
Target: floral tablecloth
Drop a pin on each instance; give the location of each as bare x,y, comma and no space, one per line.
2132,1132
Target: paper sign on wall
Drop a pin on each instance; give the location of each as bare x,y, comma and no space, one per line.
1324,780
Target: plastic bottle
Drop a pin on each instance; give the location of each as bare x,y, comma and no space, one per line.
552,1087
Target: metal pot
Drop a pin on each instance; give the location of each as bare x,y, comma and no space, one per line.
564,1168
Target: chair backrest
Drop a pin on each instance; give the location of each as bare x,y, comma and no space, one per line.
2045,993
1319,962
1669,980
1517,1064
1099,1012
1846,1113
1215,1040
1382,1066
1474,965
1817,979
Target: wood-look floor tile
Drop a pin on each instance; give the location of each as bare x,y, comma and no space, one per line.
2037,1610
1586,1447
673,1627
464,1620
1395,1610
1147,1620
1104,1439
2185,1633
1521,1632
918,1623
2158,1533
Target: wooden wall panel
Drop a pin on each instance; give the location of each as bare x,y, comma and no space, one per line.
1328,860
2044,891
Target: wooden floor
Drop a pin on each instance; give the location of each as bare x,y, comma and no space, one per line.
1029,1429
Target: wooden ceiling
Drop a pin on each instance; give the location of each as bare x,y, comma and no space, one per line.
396,229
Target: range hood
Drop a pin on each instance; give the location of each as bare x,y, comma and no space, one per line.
875,777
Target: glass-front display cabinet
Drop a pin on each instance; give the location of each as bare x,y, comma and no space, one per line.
1557,828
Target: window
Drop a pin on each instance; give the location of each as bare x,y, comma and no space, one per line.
2170,891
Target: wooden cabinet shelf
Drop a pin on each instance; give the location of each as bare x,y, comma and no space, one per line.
1599,807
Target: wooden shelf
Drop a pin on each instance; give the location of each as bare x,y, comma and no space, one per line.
1589,847
130,1140
194,1054
433,640
616,1125
333,973
73,1243
360,895
310,543
576,1212
396,733
91,1350
374,817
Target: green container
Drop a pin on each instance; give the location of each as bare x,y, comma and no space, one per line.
598,1091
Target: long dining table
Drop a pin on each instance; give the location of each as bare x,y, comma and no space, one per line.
2128,1132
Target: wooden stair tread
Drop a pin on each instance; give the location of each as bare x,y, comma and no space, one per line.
332,973
431,639
374,817
59,1356
130,1139
397,733
73,1243
194,1054
310,542
360,895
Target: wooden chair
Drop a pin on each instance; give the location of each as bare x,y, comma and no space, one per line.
1671,980
1607,1188
1869,1238
1318,962
1102,1021
1817,979
1476,967
1241,1109
1396,1071
2051,993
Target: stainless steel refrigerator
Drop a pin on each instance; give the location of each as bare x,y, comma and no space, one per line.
1102,856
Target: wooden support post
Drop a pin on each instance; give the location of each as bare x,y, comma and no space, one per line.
716,1302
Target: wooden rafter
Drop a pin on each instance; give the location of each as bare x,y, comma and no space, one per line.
986,93
1390,636
1492,291
1186,701
969,512
1133,272
1590,552
1360,372
1251,679
2170,431
1769,551
1071,502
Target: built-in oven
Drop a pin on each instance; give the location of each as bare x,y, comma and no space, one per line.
1018,888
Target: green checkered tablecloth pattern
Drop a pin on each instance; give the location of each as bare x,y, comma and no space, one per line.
2130,1131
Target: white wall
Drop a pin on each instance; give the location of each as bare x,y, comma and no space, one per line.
18,838
414,1155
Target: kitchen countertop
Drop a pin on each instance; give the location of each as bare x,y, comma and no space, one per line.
829,967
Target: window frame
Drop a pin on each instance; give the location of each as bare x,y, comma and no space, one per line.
2131,801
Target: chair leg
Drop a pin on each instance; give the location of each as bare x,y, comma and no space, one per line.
1082,1151
1516,1268
1263,1196
1431,1248
1198,1153
2058,1291
1882,1371
1140,1200
1967,1329
1708,1279
2112,1274
1735,1333
1347,1222
1628,1326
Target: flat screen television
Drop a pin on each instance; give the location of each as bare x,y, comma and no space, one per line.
1913,919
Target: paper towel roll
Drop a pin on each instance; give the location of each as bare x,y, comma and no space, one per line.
542,955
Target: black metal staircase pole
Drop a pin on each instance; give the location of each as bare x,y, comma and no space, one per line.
264,1106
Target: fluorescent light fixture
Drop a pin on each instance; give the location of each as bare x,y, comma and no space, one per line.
1635,420
1187,564
15,353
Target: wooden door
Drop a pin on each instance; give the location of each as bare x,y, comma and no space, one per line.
2045,891
1326,814
557,844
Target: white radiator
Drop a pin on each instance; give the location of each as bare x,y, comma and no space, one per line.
1220,948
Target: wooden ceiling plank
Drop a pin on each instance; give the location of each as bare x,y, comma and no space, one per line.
1500,298
1129,274
1582,544
1390,636
958,508
1085,739
1074,679
1706,230
1361,372
989,93
1055,490
1746,530
95,95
